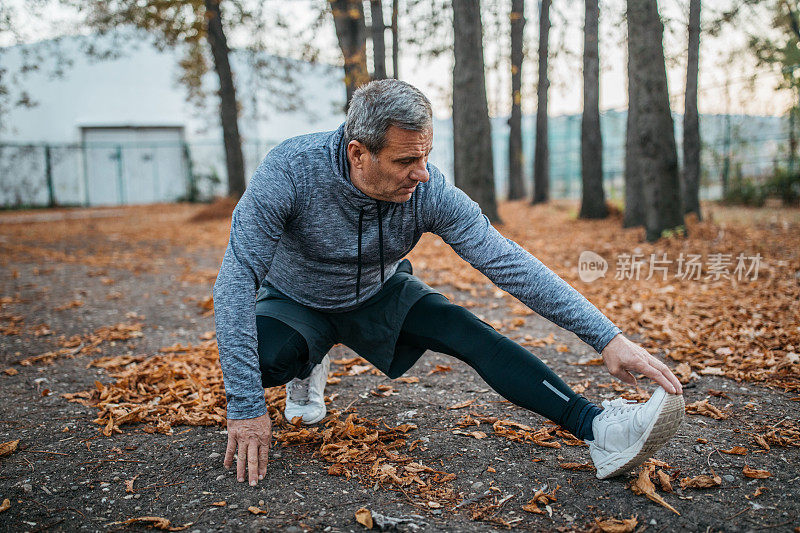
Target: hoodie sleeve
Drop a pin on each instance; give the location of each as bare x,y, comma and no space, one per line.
458,220
257,224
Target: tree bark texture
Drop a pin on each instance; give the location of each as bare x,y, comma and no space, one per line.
541,155
593,201
472,131
378,43
691,118
651,152
516,188
351,31
228,109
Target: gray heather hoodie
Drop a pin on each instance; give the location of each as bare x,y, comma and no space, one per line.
304,226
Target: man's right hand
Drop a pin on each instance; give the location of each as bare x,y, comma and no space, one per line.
249,439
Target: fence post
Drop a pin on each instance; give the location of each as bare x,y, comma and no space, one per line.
48,173
120,184
190,182
85,171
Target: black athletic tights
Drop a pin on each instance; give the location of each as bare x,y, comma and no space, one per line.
434,323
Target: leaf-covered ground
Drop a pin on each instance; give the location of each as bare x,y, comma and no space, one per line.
112,407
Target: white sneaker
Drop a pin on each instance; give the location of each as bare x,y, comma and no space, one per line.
306,397
627,434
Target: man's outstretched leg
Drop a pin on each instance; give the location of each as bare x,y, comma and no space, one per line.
284,359
618,436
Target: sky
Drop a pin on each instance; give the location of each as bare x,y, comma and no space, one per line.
724,85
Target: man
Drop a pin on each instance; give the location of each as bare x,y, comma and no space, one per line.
316,257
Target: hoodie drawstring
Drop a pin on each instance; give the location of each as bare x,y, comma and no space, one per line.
380,246
358,275
380,235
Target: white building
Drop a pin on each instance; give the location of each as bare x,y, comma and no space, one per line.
121,131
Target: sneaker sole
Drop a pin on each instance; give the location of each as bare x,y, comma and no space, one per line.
664,426
308,422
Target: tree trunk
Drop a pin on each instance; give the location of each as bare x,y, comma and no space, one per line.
634,209
378,44
516,189
351,31
472,131
395,41
691,118
541,155
227,94
593,202
651,131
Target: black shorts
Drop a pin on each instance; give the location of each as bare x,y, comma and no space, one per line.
371,330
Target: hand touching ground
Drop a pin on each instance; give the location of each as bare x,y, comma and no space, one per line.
623,357
249,439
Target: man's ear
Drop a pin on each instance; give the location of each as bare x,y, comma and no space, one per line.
356,152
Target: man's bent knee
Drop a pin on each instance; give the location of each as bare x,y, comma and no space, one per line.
282,353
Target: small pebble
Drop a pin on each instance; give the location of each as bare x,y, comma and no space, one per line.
653,522
214,455
27,487
729,478
478,485
697,448
221,476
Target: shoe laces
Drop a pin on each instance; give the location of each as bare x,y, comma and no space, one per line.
616,407
298,390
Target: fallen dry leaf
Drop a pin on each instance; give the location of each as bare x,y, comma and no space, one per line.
7,448
704,408
408,379
702,481
364,517
156,522
129,483
663,478
577,466
256,510
440,368
613,525
461,405
755,473
5,505
643,486
736,450
11,371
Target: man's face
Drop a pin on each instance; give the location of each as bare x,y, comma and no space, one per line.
394,172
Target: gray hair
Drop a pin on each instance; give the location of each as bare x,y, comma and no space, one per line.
380,104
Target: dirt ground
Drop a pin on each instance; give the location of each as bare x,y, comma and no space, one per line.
149,266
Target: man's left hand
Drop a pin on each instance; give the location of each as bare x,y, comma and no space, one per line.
623,357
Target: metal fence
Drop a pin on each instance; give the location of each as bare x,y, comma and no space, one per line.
129,173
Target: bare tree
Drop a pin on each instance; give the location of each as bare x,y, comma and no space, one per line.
516,188
691,118
228,109
472,131
651,153
378,43
593,202
541,155
351,30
